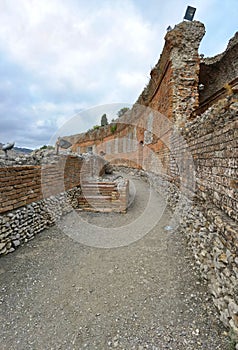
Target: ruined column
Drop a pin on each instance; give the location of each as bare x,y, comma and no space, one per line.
173,87
184,42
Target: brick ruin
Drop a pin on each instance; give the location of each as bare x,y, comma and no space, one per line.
181,137
34,196
182,134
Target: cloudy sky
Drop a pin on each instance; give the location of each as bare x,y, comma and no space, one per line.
61,57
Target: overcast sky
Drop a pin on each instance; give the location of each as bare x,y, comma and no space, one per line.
60,57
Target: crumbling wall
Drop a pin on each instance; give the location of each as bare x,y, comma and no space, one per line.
190,158
217,71
173,87
21,185
212,140
21,225
33,197
211,221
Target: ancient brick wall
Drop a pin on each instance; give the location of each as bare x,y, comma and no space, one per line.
197,174
211,221
163,95
21,185
173,87
189,155
212,141
33,198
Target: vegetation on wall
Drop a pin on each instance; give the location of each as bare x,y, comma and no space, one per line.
122,111
228,89
113,128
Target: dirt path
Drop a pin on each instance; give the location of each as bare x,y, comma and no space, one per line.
57,293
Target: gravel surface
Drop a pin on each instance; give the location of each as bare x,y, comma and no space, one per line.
57,293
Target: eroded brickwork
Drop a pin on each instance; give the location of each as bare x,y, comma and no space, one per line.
21,185
35,197
190,154
220,70
173,88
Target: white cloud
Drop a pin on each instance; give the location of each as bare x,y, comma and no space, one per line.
65,56
63,44
130,80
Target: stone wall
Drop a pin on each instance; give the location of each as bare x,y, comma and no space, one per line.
205,206
190,156
211,222
217,71
21,185
34,197
173,88
21,225
212,140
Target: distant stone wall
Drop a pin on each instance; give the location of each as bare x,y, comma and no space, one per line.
217,71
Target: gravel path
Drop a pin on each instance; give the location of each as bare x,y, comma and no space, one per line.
57,293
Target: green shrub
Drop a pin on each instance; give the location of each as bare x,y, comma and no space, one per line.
113,128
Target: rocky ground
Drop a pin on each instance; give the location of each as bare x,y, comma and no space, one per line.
145,293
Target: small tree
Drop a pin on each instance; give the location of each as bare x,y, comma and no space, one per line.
104,120
122,111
